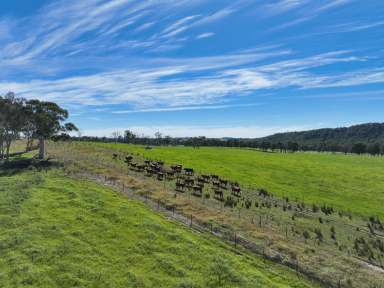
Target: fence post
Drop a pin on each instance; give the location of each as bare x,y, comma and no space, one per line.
264,254
286,232
297,266
190,225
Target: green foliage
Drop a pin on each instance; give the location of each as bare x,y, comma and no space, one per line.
338,139
221,274
33,118
306,235
319,234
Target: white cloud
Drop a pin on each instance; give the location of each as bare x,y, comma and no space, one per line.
351,27
144,26
185,108
332,4
217,78
205,35
307,10
216,16
282,6
179,25
59,26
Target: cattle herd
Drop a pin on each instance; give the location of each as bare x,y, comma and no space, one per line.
186,179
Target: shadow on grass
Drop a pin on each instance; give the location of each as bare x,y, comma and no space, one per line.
20,165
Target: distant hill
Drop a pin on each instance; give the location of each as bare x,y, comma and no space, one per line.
369,133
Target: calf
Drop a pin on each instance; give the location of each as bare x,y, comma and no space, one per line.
219,195
216,184
149,172
140,168
236,191
170,175
223,182
189,183
197,190
214,177
189,171
180,186
128,159
201,180
160,176
177,168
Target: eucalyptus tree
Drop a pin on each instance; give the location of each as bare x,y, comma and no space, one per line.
47,121
12,120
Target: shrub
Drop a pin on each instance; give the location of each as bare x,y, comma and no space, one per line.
319,235
221,274
306,235
230,202
333,233
327,210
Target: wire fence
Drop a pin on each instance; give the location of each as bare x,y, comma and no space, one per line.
224,232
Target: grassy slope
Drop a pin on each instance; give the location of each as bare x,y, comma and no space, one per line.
57,232
348,182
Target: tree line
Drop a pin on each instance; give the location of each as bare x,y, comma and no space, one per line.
32,120
282,147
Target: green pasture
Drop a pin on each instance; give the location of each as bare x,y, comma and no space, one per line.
60,232
347,182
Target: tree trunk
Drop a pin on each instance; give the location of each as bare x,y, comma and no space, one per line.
8,142
41,149
8,147
29,144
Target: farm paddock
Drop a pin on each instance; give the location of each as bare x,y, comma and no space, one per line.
61,231
340,248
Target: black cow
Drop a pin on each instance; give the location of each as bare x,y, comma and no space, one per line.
180,186
236,191
189,171
219,195
197,190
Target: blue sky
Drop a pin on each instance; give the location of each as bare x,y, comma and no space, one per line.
241,68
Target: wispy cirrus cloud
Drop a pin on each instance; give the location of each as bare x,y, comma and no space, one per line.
353,26
282,6
64,24
185,108
119,52
174,85
306,10
205,35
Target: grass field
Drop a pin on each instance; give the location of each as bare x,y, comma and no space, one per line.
60,232
348,182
